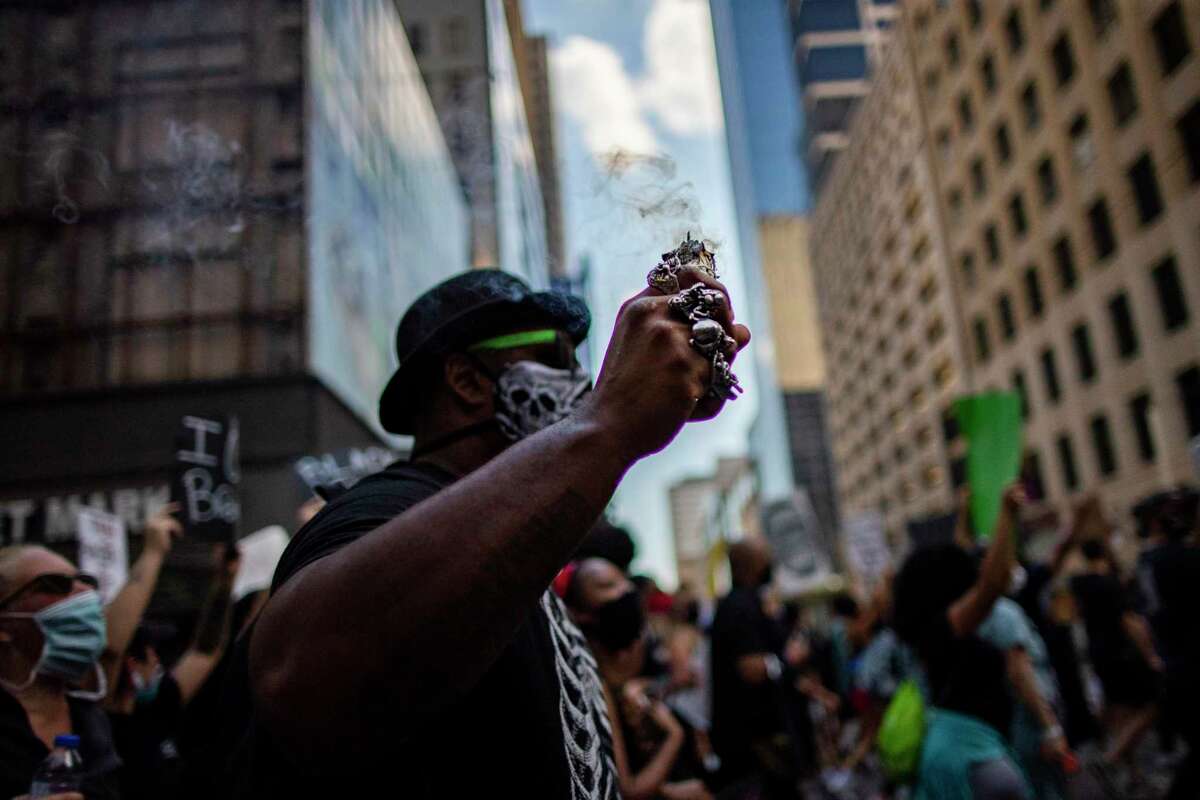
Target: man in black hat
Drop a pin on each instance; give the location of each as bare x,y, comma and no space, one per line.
410,644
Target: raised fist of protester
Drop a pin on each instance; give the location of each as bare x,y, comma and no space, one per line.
163,529
653,381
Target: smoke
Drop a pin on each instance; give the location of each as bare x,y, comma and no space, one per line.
63,157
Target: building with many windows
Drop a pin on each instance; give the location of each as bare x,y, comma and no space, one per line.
1031,172
838,44
220,208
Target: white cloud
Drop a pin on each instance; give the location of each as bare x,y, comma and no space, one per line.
592,87
680,86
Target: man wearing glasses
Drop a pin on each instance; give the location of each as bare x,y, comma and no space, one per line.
411,646
59,653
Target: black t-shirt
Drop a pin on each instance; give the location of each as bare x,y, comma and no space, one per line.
1102,603
21,752
1175,572
742,712
534,726
146,741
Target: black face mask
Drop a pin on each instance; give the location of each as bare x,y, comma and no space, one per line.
618,623
767,575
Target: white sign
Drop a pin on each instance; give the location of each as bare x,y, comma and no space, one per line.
102,550
866,549
260,553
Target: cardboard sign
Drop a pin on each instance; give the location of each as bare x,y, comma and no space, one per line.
260,552
207,473
103,550
866,549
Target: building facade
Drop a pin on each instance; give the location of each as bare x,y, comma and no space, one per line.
466,56
217,209
838,43
1016,209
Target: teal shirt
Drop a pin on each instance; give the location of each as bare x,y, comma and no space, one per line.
953,744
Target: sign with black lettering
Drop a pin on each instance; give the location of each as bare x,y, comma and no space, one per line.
207,473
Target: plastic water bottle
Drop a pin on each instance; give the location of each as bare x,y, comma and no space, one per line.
62,771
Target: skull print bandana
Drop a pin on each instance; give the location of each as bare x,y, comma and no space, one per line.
532,396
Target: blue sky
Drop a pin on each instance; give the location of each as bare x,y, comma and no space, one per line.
640,76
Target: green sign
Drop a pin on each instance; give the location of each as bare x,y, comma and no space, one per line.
991,424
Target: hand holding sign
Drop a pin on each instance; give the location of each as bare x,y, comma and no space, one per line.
163,529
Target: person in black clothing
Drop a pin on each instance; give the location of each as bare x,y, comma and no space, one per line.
1171,583
410,646
750,697
147,708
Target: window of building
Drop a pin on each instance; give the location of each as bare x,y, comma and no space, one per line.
1145,189
1018,384
935,331
1104,239
1031,110
1050,375
975,12
955,201
1124,331
978,178
1102,444
1064,262
1083,153
1189,132
1008,323
1139,415
1171,300
943,143
966,116
1085,357
1047,183
983,346
987,72
416,38
1122,95
1033,292
1064,60
455,36
932,78
1003,143
991,242
1066,462
966,265
953,54
1014,31
1016,214
1104,16
1171,38
836,63
1188,384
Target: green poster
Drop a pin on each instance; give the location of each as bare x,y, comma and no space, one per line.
991,424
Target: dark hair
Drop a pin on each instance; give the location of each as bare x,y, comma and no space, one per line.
1093,549
845,606
610,542
929,582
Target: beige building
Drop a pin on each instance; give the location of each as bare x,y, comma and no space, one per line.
783,245
1019,210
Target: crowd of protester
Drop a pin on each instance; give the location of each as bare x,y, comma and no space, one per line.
415,641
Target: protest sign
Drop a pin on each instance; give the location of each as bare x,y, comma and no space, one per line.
207,473
342,468
865,546
103,550
991,424
260,553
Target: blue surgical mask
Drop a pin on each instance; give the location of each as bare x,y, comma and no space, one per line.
146,689
75,636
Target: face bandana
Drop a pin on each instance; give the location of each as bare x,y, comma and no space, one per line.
75,636
532,396
618,623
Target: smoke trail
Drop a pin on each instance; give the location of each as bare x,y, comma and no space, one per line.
61,154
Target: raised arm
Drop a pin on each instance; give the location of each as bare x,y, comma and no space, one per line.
414,613
124,613
212,630
969,611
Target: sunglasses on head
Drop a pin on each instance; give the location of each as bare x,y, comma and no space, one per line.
56,583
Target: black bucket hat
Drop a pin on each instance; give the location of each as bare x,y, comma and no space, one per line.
466,308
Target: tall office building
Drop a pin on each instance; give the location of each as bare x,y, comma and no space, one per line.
205,208
758,83
1039,162
466,54
838,44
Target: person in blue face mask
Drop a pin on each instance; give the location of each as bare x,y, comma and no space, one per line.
59,648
